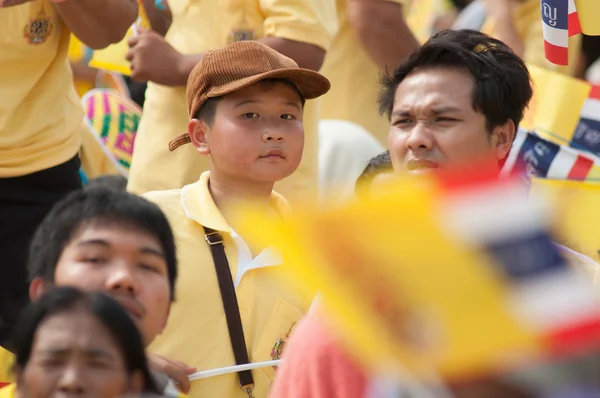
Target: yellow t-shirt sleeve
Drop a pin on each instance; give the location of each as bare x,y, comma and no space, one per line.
309,21
8,391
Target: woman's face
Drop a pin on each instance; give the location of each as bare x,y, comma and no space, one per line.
74,355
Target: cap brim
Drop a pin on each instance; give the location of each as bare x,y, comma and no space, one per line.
310,83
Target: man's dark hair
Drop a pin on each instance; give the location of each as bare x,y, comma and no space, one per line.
103,207
113,182
379,164
207,111
501,82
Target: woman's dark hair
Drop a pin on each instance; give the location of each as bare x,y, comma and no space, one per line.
102,307
501,82
98,206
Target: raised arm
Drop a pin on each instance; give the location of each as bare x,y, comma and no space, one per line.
382,30
98,23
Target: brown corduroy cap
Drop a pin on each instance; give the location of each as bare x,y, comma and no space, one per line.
239,65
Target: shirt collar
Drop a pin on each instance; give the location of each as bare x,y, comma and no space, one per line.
199,205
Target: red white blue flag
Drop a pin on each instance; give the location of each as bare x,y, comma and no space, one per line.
560,21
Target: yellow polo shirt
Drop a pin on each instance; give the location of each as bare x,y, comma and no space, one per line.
40,115
9,391
201,25
354,79
6,361
527,20
196,332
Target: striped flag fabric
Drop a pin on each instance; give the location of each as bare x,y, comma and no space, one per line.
574,24
544,292
539,157
555,20
587,133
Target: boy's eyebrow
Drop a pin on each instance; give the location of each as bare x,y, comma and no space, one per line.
253,101
143,250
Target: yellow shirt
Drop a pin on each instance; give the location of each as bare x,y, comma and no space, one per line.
196,332
527,20
354,80
201,25
40,115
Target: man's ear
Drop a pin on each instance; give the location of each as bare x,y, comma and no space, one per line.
37,288
198,131
502,139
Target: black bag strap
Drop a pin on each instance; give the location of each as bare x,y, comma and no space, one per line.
230,305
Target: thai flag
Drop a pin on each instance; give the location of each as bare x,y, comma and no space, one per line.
555,19
543,158
574,24
587,133
544,293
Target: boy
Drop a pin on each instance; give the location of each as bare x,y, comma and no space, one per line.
302,30
101,239
245,104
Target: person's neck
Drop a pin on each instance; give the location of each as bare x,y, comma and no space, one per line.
229,194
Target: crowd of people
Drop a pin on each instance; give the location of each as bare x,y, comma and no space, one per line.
148,284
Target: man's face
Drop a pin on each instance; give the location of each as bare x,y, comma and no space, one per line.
434,125
129,264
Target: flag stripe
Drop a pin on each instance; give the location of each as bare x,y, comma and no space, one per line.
556,37
561,165
555,54
590,109
581,168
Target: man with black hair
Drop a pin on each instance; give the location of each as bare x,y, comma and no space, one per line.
106,240
456,100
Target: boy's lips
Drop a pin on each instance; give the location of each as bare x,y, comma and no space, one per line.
273,154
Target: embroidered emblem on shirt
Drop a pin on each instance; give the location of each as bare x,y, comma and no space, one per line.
279,346
241,34
38,29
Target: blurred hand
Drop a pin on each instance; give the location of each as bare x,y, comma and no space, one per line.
153,59
175,370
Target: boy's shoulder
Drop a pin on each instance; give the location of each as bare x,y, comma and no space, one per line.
169,201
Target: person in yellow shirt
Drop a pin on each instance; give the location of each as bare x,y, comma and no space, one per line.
41,120
245,104
373,37
518,24
106,240
301,30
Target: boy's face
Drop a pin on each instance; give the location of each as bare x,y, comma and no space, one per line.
127,263
257,134
434,125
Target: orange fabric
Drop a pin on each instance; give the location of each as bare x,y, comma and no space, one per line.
316,365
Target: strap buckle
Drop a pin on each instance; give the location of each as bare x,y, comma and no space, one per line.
213,238
248,388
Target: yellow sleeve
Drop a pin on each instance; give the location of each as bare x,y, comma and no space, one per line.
309,21
8,391
533,42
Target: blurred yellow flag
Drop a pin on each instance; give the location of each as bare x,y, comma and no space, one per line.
402,290
112,58
578,207
556,104
589,12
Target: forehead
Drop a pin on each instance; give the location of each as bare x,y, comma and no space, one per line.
266,89
435,87
72,328
118,233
